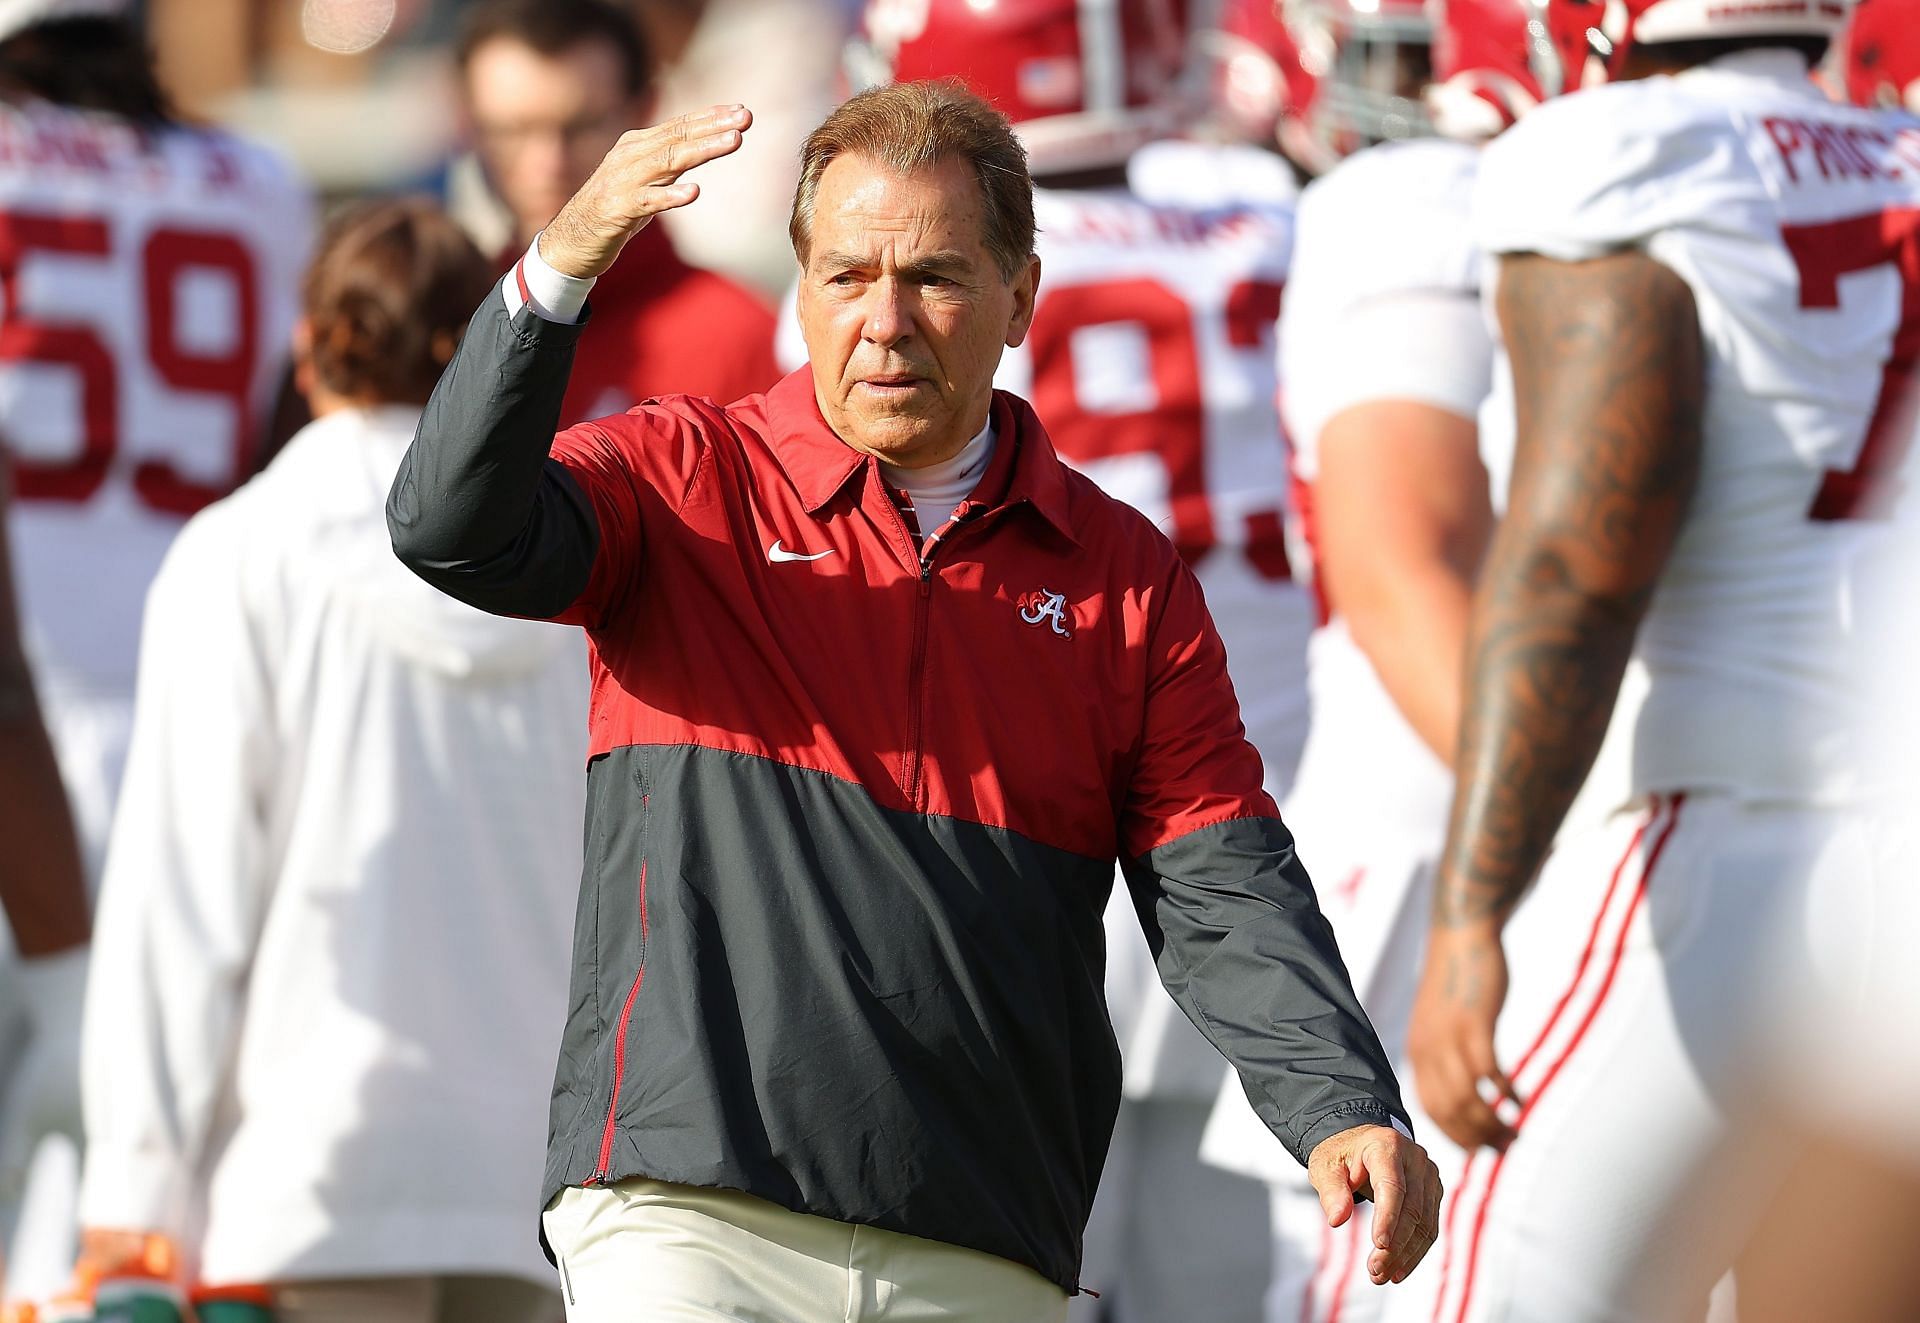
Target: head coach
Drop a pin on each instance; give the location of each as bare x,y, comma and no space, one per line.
881,690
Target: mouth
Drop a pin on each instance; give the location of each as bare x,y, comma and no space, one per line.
893,383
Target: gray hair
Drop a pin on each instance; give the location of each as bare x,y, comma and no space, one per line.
911,127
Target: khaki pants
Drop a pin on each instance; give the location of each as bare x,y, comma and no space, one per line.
644,1251
452,1299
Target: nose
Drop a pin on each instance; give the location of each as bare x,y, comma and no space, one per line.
547,167
889,316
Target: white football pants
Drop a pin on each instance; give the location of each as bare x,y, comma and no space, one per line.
1638,963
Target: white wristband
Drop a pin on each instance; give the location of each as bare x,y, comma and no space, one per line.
555,296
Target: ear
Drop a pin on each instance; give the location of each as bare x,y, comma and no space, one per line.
1026,288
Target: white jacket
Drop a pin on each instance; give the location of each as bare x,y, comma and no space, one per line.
330,966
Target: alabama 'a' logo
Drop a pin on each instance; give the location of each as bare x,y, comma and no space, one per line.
1041,607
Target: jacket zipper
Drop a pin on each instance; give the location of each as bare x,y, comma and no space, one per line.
605,1163
916,676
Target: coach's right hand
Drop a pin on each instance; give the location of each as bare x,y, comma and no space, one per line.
639,179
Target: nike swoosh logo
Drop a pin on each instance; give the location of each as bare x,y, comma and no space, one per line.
779,555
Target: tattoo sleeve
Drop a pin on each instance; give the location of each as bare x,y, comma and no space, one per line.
1608,388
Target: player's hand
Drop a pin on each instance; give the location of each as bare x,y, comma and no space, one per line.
639,179
1450,1041
1379,1163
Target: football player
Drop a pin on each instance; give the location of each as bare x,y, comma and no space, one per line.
1386,358
1708,296
148,271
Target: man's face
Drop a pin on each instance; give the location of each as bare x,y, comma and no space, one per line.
542,123
904,311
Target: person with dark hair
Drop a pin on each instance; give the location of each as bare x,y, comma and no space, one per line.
548,87
331,952
882,691
84,56
149,271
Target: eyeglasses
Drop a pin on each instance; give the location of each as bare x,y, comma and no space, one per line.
512,136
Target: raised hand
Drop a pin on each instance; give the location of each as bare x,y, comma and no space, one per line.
639,179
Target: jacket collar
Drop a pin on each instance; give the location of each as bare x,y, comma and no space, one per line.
1025,469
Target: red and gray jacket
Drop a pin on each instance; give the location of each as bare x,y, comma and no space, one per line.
855,799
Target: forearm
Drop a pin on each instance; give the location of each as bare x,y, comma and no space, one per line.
42,885
1247,955
1415,636
477,508
1609,387
1404,519
1545,668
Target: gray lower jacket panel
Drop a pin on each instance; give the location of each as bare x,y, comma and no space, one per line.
895,1019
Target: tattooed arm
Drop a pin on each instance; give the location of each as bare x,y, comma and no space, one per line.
1608,387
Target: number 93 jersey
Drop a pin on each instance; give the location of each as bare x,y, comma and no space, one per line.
147,293
1796,224
1151,362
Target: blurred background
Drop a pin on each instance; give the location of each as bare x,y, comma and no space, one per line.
362,94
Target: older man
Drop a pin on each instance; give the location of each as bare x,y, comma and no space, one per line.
882,691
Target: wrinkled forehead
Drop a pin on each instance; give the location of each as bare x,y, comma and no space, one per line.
883,214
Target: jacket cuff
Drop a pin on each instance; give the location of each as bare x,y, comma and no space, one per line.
1346,1117
527,329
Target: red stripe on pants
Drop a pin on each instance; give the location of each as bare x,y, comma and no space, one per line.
1546,1031
1586,1023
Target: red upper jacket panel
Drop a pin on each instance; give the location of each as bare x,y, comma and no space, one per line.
1049,668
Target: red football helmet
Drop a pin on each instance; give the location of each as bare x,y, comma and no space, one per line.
1256,83
1085,82
1372,60
1588,40
1328,76
1483,71
1882,56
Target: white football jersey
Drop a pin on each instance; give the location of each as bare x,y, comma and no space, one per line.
1383,303
1385,279
148,286
1796,223
1152,364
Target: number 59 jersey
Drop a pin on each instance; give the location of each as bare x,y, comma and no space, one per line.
1152,363
1796,224
148,285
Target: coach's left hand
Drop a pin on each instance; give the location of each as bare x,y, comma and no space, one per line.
1379,1163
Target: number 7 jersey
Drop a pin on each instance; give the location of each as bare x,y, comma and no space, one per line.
1796,223
148,285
